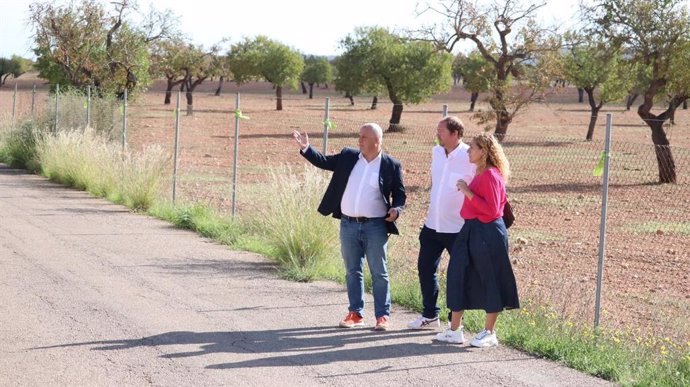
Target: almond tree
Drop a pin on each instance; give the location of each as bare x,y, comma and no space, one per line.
166,61
316,70
350,79
83,43
656,34
593,64
508,36
263,58
197,65
14,66
410,71
476,73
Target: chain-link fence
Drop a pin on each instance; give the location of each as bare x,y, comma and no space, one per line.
555,195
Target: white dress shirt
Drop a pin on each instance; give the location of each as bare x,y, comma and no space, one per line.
362,196
446,200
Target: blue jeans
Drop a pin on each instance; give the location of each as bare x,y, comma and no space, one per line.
357,241
431,246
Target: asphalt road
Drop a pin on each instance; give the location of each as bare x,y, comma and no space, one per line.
91,294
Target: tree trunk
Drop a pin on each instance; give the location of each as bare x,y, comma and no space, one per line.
672,112
168,91
220,85
304,88
673,105
580,94
473,100
662,148
348,95
394,123
279,97
190,102
374,102
311,91
630,101
595,113
503,119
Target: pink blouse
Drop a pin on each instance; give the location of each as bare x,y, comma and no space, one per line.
489,197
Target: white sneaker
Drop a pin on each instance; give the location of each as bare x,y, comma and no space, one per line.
485,339
450,336
423,323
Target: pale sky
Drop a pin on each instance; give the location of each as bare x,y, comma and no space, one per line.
310,26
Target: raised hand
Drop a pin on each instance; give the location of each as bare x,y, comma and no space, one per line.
301,139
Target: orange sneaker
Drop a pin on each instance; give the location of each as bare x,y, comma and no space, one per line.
381,323
353,319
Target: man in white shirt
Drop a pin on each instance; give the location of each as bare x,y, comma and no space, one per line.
449,163
367,194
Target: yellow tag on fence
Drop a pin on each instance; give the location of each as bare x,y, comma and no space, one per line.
330,125
599,169
238,114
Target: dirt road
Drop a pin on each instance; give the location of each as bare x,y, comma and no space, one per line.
91,294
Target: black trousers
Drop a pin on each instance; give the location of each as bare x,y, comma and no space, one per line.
431,246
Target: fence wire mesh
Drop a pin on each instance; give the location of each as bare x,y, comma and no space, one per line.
555,195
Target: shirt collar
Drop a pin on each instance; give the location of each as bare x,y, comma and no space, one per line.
378,157
455,151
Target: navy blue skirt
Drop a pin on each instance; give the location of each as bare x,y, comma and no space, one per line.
480,275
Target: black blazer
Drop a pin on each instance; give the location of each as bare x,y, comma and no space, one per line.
390,180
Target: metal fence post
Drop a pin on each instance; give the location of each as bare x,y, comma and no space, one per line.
124,122
57,106
33,100
326,124
177,147
88,106
445,111
236,153
14,104
602,227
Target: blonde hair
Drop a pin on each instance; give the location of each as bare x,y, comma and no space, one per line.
495,157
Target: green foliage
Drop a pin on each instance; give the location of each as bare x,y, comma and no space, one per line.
201,219
456,68
476,70
14,66
83,43
594,64
655,35
263,58
18,145
409,71
679,79
350,75
167,58
317,70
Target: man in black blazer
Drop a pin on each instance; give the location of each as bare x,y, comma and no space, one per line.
367,194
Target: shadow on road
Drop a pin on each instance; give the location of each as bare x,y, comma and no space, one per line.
302,346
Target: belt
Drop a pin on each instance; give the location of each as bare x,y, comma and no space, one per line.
360,219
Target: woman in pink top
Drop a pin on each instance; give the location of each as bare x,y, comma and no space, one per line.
480,275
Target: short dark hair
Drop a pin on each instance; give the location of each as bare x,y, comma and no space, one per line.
454,124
